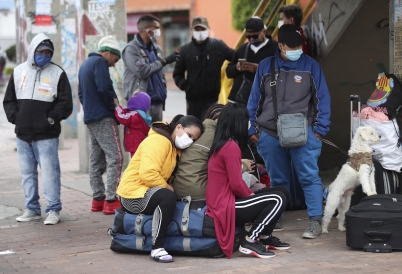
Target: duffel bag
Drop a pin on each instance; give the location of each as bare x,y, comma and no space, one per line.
191,231
375,223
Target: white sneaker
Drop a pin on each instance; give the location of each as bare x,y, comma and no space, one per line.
28,216
52,218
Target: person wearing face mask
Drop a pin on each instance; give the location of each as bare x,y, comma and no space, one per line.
293,14
300,88
144,187
258,48
97,96
38,97
201,59
144,64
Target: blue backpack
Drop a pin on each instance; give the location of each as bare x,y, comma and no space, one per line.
191,232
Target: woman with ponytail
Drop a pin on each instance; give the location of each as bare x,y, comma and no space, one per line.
144,188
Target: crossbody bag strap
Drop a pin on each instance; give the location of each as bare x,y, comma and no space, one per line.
245,58
273,87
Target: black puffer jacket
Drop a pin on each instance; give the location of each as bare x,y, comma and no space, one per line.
203,64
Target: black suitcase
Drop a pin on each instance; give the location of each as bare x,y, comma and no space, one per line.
375,224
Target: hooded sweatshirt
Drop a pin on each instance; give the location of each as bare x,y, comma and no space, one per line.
35,94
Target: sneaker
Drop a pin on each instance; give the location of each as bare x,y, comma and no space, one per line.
28,216
109,208
278,227
97,206
274,243
52,218
257,249
313,231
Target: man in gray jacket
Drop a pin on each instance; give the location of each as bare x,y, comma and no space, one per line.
144,65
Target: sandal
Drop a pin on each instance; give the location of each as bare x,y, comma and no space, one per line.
161,256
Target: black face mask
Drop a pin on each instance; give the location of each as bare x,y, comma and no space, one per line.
256,43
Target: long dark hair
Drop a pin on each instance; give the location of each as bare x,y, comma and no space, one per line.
185,121
232,124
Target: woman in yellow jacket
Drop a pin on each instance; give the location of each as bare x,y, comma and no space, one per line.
144,188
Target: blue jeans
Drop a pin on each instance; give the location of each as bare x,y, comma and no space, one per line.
44,153
304,158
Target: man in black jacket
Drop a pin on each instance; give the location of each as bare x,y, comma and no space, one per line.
258,48
202,58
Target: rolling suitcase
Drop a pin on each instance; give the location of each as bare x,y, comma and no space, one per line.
375,224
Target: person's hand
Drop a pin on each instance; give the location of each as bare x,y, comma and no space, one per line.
116,102
318,136
252,194
254,138
170,187
174,57
251,67
239,66
250,165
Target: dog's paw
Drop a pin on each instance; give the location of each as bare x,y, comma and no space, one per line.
325,230
341,228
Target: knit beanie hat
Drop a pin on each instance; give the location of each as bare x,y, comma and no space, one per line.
109,43
139,101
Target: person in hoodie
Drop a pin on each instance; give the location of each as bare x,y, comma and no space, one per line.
144,188
198,71
38,97
144,64
300,85
258,48
97,96
135,120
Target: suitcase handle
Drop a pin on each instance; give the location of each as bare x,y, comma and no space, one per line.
377,236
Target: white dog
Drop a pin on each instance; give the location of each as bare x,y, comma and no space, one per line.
358,170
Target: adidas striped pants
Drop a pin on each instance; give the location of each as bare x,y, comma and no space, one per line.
262,209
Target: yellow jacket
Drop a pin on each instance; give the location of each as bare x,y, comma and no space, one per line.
151,166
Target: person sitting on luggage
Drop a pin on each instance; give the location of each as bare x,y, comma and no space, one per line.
144,188
192,170
230,202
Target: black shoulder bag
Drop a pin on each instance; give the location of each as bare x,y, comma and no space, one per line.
245,89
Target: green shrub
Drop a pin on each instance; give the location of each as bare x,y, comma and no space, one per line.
12,53
242,10
8,71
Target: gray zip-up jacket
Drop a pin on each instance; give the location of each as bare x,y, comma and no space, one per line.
137,67
35,94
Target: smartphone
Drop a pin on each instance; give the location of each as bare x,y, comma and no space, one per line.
241,60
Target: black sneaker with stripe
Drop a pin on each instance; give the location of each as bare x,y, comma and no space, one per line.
274,243
257,249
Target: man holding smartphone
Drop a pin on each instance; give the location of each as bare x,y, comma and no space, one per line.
246,58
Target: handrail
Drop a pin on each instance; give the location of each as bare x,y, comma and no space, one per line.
274,12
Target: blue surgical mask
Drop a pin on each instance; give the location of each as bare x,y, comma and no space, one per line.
42,59
293,55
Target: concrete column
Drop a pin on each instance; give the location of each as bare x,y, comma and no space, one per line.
96,19
33,19
397,52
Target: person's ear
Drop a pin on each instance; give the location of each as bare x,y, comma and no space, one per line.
178,127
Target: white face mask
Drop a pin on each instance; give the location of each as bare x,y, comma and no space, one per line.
200,35
157,34
280,23
183,141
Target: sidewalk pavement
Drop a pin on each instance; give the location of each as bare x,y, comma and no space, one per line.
80,244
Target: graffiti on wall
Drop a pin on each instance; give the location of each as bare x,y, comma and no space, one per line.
317,31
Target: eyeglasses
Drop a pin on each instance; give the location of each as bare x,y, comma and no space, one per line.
254,36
